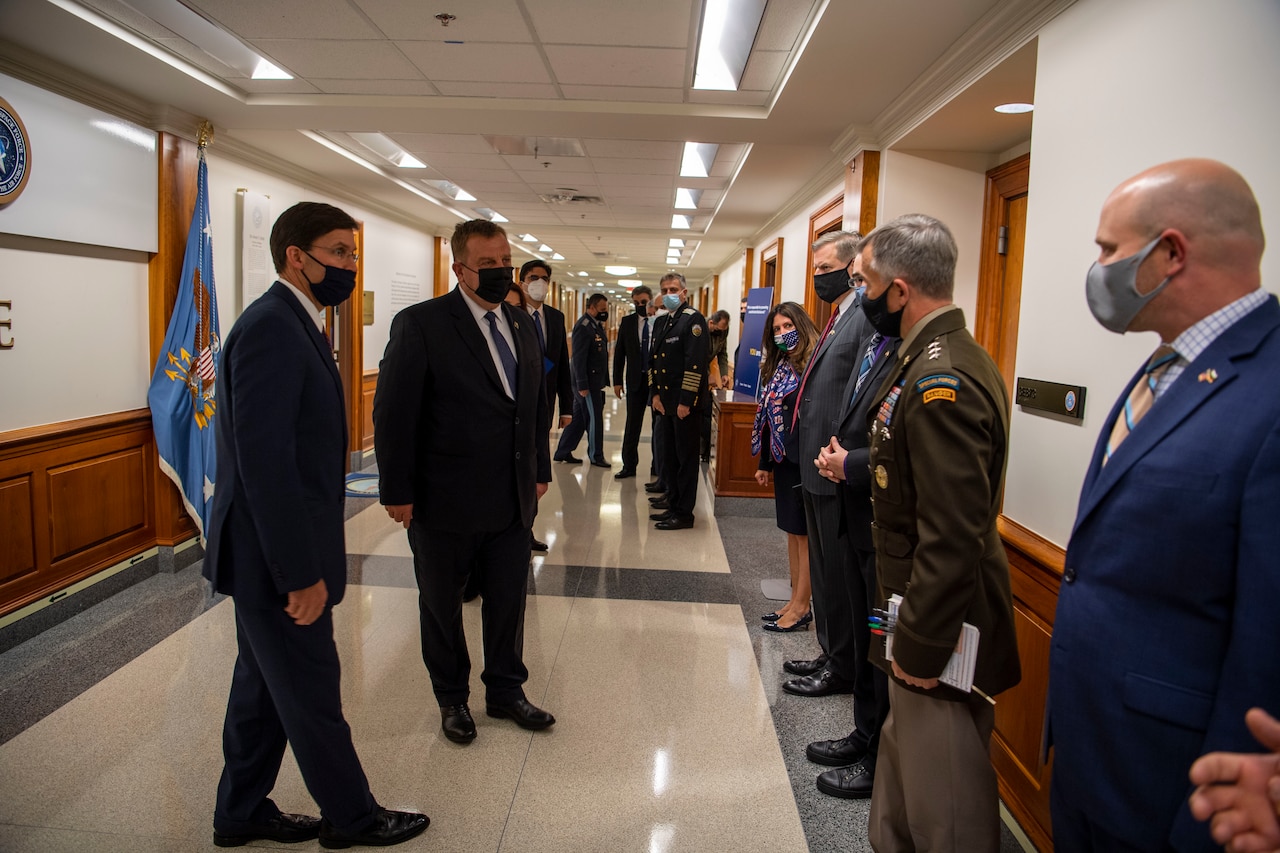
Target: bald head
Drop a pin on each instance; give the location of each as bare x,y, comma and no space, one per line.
1204,199
1209,246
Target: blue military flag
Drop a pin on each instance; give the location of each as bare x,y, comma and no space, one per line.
181,396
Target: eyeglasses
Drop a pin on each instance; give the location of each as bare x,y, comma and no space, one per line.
342,253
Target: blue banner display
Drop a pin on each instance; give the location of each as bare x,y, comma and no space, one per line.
182,392
746,370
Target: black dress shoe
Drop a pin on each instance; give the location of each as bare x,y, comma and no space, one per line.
851,783
625,473
457,723
825,683
525,714
660,503
388,827
285,828
600,463
675,523
660,516
836,753
654,488
772,617
806,667
569,457
536,544
801,624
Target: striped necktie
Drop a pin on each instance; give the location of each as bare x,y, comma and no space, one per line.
875,348
1140,398
795,413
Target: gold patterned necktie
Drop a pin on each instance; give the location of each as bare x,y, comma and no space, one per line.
1140,398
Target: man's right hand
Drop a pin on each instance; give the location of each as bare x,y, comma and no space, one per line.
306,605
402,513
657,405
617,391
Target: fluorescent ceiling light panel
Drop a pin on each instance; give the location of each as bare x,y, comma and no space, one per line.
463,195
676,242
687,199
408,161
582,273
629,282
528,238
678,221
266,71
1014,109
615,269
491,214
210,38
557,257
545,248
728,31
697,159
385,148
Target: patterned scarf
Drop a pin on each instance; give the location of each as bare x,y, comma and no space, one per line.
769,412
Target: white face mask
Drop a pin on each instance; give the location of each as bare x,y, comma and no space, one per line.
537,290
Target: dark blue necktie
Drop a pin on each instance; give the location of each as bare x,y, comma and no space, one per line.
875,348
537,327
644,345
504,352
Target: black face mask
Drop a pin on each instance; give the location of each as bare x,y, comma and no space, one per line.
743,317
884,321
601,316
494,282
830,286
336,285
642,308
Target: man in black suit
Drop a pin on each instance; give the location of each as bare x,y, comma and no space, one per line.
461,434
818,409
276,547
846,459
590,360
631,371
548,323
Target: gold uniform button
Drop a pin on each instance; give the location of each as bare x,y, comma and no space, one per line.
882,477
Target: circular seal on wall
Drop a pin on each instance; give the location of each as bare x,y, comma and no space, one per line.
15,154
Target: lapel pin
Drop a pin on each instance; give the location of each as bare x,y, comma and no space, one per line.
1209,375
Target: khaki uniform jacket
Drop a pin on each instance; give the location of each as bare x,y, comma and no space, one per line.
678,369
939,432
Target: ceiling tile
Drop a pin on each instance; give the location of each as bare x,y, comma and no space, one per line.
632,180
287,19
374,87
648,149
533,91
659,23
609,165
782,24
490,20
277,87
763,70
617,66
200,59
360,60
443,143
446,162
623,93
477,62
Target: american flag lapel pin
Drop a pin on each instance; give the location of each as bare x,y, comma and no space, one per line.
1209,376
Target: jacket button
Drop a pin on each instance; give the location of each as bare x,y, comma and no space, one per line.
517,422
517,454
1069,575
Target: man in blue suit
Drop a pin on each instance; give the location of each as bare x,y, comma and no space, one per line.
276,547
1168,622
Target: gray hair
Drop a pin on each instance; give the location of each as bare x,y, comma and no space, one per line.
846,242
917,249
673,276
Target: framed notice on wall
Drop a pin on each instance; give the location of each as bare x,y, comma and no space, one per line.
256,270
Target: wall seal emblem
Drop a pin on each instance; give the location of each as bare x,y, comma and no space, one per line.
15,154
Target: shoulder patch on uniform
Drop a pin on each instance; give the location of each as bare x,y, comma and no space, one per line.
697,330
688,310
939,386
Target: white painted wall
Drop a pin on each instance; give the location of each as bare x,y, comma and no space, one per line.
79,334
1120,87
910,184
389,246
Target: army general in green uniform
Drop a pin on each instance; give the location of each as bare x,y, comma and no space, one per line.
678,379
939,440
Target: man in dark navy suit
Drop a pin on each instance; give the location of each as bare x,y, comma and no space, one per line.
631,372
276,547
461,433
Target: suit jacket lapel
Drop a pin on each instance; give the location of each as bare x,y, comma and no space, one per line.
1186,395
465,323
282,292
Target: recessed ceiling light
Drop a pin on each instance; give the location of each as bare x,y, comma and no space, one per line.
619,270
630,282
582,273
697,159
528,238
463,195
1014,109
687,199
557,257
545,248
267,71
728,30
676,242
495,216
678,221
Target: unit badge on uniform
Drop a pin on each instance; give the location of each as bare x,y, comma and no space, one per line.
940,386
697,330
882,477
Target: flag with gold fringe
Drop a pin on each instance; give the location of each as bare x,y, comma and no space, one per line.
183,386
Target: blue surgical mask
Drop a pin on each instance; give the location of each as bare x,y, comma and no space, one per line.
336,285
671,301
1112,290
787,341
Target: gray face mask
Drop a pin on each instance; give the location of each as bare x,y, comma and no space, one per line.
1112,290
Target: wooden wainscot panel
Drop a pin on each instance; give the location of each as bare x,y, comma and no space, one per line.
75,497
368,386
17,530
1035,570
735,466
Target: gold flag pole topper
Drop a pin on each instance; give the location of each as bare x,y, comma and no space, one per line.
205,134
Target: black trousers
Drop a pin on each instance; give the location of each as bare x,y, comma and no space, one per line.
286,687
588,419
637,405
658,446
870,684
680,468
442,560
831,568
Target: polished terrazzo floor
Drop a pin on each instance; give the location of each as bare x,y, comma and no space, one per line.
673,733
